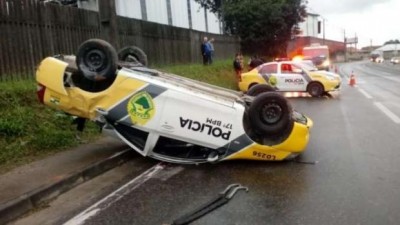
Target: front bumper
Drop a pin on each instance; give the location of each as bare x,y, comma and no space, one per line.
332,85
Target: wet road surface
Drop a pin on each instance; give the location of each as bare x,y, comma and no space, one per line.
355,180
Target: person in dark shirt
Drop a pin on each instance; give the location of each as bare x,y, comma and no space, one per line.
238,65
211,45
206,51
254,62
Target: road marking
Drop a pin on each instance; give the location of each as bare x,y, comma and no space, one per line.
365,93
296,94
388,113
388,76
116,195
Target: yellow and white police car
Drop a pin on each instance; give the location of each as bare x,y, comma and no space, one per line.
290,76
168,117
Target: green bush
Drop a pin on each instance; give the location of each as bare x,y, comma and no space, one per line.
11,128
29,129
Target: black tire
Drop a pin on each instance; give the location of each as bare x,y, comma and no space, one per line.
97,60
271,114
133,54
315,89
257,89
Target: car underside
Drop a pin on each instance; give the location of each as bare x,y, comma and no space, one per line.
169,117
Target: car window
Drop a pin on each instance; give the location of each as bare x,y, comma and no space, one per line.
269,68
307,65
286,68
297,69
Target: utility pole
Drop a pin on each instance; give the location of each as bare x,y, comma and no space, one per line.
345,45
108,22
323,33
355,44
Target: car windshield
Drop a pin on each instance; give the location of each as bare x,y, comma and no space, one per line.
308,65
305,66
316,52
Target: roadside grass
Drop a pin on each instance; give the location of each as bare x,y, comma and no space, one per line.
220,73
30,130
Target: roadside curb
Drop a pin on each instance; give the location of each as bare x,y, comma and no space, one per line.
30,200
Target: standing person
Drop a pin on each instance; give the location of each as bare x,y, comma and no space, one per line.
211,45
238,65
205,50
80,126
249,64
254,62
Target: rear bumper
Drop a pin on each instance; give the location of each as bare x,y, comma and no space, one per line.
50,73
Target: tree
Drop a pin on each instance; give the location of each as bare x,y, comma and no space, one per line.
392,42
264,26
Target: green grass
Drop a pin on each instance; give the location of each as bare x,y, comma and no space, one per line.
220,73
29,130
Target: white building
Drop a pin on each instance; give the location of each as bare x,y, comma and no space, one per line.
317,26
309,27
387,51
179,13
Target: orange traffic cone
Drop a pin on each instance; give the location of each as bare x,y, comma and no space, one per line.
352,81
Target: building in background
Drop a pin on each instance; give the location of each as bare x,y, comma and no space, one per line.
311,31
178,13
311,26
387,51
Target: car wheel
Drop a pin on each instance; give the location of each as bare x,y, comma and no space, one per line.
97,60
257,89
270,114
133,54
315,89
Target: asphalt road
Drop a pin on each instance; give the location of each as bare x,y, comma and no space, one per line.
355,179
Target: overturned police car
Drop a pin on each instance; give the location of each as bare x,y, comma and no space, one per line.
168,117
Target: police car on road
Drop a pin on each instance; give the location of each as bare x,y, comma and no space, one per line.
290,76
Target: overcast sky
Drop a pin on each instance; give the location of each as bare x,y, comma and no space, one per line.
376,20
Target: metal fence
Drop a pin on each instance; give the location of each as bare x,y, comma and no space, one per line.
30,31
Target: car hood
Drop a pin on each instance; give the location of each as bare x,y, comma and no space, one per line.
251,72
324,73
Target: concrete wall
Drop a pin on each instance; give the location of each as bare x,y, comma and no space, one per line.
213,22
54,29
166,44
198,17
129,9
179,11
157,11
169,39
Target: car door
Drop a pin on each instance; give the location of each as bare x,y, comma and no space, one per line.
291,78
269,72
197,117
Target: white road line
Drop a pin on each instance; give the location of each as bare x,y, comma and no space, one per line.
295,94
388,113
365,93
115,196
